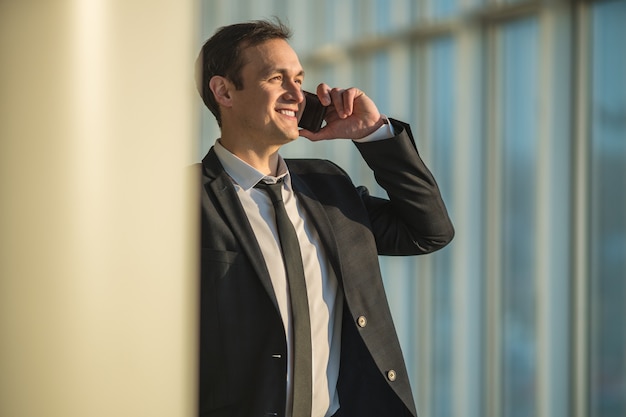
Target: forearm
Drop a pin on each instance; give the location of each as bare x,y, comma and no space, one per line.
414,220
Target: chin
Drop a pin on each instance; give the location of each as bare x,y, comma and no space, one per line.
291,136
286,134
287,141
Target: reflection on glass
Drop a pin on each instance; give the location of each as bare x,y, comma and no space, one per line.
519,100
383,16
608,210
441,104
441,9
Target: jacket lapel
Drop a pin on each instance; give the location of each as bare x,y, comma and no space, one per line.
317,213
219,184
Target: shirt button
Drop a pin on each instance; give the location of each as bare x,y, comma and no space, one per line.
362,321
391,375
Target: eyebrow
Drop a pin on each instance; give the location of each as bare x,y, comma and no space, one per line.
271,70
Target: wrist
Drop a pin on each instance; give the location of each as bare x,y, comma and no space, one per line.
384,130
382,120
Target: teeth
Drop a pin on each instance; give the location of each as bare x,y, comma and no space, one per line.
288,112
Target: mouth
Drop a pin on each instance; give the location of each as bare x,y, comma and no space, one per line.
285,112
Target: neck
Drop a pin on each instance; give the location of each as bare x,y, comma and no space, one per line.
263,159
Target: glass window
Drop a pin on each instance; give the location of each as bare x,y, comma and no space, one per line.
504,207
519,101
326,13
441,73
383,15
441,9
608,210
372,74
381,71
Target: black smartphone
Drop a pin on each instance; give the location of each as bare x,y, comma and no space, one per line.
313,114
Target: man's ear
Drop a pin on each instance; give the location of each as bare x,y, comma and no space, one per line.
221,88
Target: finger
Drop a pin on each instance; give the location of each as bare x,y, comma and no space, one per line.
312,136
323,93
322,134
350,95
331,115
337,96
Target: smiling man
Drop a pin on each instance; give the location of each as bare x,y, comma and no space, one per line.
294,320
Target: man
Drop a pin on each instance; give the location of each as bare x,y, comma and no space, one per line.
261,352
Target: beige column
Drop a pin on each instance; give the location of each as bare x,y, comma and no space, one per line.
97,253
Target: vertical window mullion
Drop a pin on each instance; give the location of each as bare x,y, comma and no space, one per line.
492,221
468,208
580,291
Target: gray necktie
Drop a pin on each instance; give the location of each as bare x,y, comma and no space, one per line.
302,391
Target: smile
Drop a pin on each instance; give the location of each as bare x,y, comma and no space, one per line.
290,113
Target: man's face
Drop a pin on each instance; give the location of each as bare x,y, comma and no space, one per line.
266,108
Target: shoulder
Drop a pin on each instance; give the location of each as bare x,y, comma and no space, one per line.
327,181
304,167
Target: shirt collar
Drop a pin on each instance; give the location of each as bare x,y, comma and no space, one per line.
245,175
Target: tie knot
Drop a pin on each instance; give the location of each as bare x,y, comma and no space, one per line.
274,190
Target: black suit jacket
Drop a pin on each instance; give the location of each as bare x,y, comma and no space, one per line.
243,363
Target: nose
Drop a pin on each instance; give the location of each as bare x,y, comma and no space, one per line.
294,92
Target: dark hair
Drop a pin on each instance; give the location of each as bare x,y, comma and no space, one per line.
221,55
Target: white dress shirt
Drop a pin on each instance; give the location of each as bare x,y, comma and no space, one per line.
324,294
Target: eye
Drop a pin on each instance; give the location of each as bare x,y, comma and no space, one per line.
276,78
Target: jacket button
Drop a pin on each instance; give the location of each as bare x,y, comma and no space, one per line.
391,375
362,321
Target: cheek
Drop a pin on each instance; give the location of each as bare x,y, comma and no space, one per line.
257,109
257,114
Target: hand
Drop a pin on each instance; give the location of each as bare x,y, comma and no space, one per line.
350,114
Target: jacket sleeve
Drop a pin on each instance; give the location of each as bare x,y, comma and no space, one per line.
414,219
